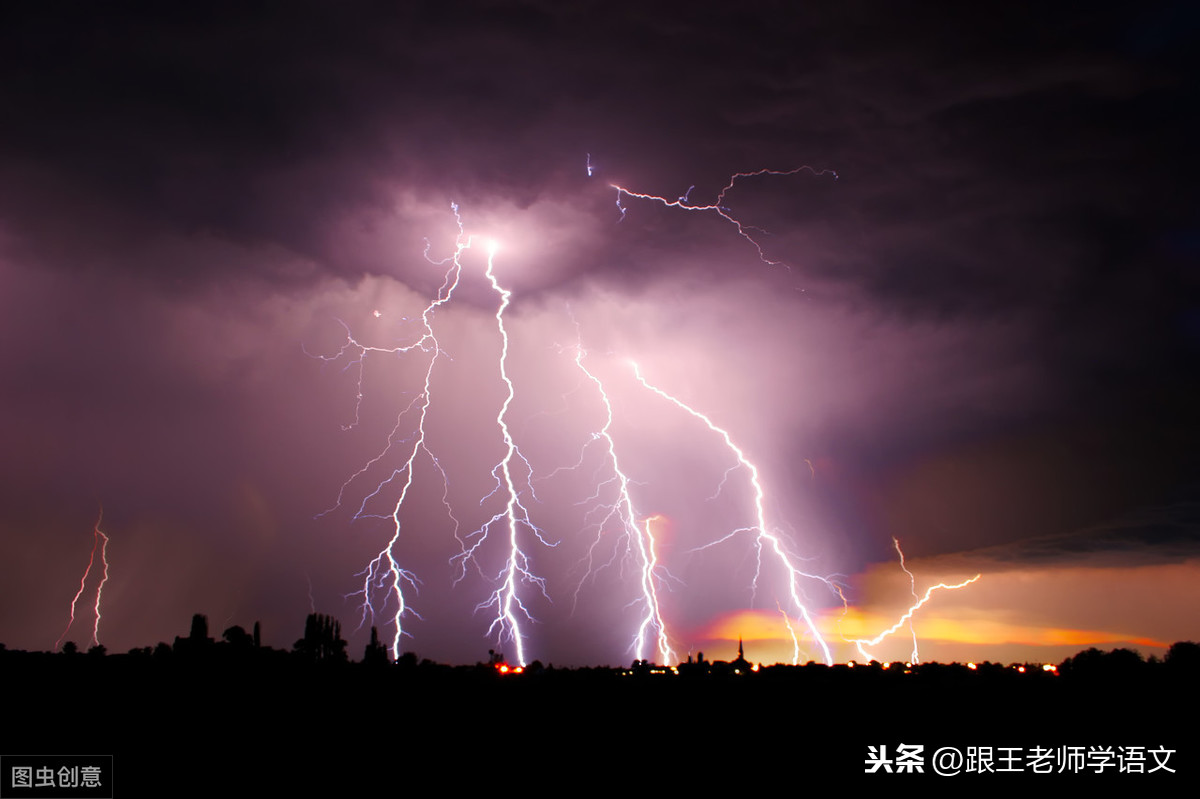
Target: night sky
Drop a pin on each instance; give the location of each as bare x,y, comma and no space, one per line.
980,336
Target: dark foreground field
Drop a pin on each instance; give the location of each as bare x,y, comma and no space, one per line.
272,722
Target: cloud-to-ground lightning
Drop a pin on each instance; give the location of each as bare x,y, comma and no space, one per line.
99,544
638,537
517,570
759,531
384,574
718,205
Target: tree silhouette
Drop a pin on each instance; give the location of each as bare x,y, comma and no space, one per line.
197,643
376,652
199,631
238,638
1183,658
1094,664
322,641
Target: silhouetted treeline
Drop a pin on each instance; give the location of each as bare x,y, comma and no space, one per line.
202,700
323,644
238,668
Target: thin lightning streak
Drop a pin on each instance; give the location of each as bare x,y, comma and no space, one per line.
99,542
759,530
641,538
861,643
103,580
718,207
912,584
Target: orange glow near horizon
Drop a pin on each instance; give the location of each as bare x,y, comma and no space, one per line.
768,628
1034,614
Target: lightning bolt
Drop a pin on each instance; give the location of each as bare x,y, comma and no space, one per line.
912,585
517,571
762,536
384,574
638,538
862,643
99,544
718,206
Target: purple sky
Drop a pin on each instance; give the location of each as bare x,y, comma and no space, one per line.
982,339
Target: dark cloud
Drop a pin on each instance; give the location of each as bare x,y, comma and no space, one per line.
1161,534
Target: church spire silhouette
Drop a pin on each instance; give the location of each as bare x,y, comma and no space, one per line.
741,664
